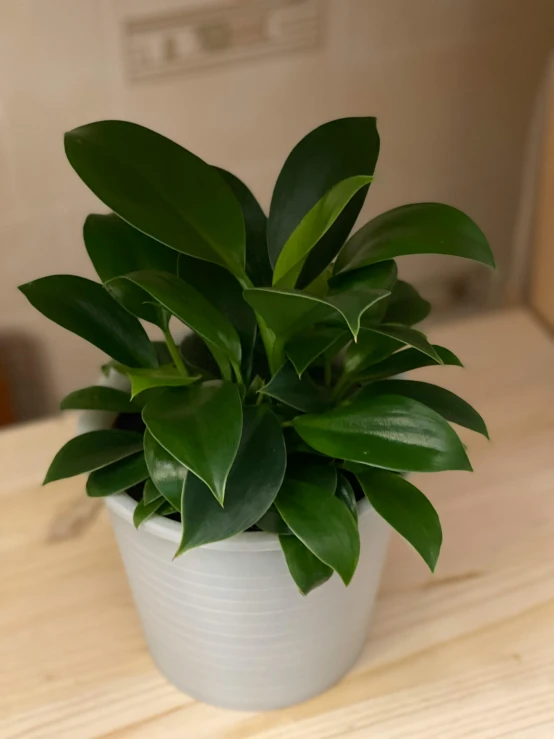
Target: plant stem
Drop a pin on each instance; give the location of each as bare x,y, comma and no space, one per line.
340,387
238,374
174,351
274,359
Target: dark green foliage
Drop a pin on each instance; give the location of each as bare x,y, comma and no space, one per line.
279,410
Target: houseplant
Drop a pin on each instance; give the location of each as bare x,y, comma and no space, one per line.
279,414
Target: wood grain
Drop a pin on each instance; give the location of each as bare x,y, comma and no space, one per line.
466,653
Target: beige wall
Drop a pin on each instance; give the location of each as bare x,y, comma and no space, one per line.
451,81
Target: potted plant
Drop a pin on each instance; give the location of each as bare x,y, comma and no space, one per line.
266,451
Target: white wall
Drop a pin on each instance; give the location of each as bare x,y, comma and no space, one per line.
451,81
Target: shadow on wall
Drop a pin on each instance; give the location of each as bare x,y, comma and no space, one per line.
25,380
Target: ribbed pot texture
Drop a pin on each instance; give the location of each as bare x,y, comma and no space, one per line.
225,622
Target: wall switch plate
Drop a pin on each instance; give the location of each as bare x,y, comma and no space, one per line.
189,40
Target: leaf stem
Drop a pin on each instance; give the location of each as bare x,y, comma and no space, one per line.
174,351
340,387
238,374
268,337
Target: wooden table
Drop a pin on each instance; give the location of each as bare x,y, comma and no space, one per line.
466,653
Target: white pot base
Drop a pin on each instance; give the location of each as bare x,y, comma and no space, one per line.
225,622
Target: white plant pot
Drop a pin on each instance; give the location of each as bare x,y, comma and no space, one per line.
225,622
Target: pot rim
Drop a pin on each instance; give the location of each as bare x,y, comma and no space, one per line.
123,506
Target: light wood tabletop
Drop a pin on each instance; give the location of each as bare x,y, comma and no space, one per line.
468,652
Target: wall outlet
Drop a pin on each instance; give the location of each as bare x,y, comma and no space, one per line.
189,40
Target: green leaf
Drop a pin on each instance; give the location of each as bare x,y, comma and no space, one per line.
319,472
117,477
407,360
254,481
345,492
143,512
150,493
288,312
445,403
258,266
142,379
418,228
201,427
166,509
370,348
91,451
86,309
299,393
406,509
223,291
331,153
190,307
304,348
168,475
388,431
323,524
315,224
307,571
115,249
381,276
272,523
161,189
406,306
99,398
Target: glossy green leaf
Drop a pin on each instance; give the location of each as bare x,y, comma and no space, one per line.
331,153
190,307
407,360
307,571
445,403
150,493
143,512
323,524
254,481
115,249
300,393
405,305
377,342
418,228
168,376
201,427
288,312
406,509
117,477
161,189
258,266
99,398
345,492
380,276
388,431
166,509
168,475
86,309
91,451
304,348
315,224
370,348
223,291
